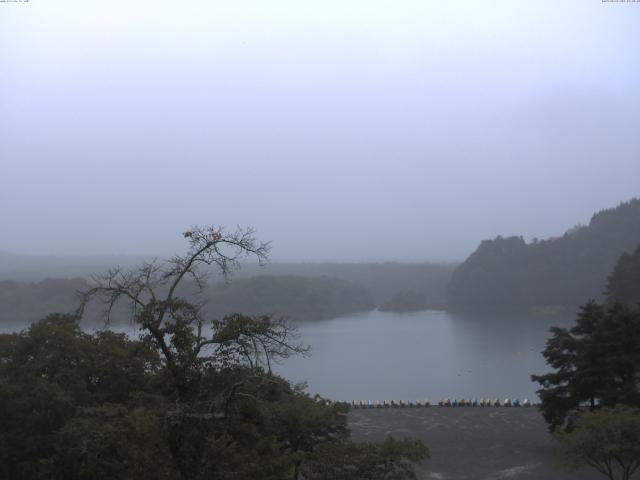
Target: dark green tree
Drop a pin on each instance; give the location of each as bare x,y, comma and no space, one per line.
405,302
510,273
389,460
607,440
48,374
190,399
596,363
624,282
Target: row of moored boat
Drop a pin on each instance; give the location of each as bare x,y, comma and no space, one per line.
446,402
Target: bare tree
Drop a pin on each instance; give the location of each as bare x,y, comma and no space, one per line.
176,325
258,341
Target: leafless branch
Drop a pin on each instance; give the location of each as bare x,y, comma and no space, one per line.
152,293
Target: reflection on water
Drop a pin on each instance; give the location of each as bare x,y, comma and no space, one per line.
428,354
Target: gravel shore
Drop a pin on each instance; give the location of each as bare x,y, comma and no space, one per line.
472,442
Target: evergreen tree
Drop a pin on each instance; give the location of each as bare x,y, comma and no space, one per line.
509,273
624,282
596,363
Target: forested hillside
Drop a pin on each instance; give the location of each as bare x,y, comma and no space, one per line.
382,280
565,271
291,296
624,281
294,296
297,290
190,398
26,302
407,302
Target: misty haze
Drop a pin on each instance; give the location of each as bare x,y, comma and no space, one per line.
319,240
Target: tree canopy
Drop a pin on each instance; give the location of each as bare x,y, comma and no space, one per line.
607,440
624,282
596,363
192,398
405,302
510,273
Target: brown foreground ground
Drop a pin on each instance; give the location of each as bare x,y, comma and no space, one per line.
472,443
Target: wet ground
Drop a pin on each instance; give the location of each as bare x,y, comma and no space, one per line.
472,443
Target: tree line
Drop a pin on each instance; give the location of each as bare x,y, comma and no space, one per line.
191,398
297,291
591,399
291,296
510,273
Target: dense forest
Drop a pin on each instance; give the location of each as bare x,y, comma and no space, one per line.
192,398
503,273
624,282
509,273
103,407
382,280
597,364
407,302
294,290
26,302
293,297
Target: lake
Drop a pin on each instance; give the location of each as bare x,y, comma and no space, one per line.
429,354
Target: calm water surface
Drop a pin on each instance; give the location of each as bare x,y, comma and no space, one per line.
428,354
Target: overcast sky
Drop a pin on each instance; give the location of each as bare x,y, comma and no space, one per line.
339,130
